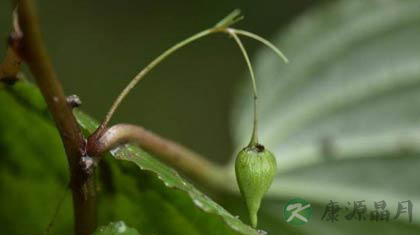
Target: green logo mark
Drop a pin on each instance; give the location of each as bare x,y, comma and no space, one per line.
297,211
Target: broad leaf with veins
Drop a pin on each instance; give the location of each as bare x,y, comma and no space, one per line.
343,116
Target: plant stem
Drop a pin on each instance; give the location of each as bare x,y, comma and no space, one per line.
263,41
35,55
178,156
149,67
254,136
10,66
172,153
229,20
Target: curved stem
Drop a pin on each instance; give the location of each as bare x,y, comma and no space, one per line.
149,67
254,136
178,46
262,40
174,154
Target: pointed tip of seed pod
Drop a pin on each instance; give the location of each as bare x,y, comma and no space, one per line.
254,220
253,214
253,205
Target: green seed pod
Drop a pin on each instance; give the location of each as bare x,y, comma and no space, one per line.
255,168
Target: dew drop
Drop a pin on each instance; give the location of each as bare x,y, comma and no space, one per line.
114,150
121,227
262,232
198,203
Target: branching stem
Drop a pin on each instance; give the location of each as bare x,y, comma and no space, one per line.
35,55
264,41
170,51
191,163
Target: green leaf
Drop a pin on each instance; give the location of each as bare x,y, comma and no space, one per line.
175,201
342,117
33,168
34,176
117,228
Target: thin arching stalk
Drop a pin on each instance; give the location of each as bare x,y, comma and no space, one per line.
254,136
176,155
262,40
149,67
176,47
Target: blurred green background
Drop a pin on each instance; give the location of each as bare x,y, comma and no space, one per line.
342,117
98,46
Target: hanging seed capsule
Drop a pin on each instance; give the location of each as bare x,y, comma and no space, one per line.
255,168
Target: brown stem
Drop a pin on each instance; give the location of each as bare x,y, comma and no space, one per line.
10,66
176,155
35,55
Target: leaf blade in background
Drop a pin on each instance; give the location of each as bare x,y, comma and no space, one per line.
342,116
